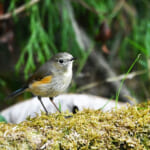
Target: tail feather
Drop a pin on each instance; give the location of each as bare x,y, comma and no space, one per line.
16,93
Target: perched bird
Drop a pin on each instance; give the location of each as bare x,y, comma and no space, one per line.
50,80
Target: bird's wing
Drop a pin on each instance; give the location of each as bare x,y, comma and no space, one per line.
43,74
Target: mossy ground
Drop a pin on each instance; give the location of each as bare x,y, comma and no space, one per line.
125,128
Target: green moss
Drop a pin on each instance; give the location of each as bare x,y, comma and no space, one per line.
125,128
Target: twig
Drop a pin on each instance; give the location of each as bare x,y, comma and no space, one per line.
85,5
112,79
18,10
118,7
88,86
129,76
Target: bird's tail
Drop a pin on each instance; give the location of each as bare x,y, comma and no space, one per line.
16,93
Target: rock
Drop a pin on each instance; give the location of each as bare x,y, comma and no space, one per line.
71,102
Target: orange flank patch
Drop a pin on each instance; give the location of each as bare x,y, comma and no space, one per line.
44,80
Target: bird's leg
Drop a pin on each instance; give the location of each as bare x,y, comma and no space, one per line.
51,99
39,98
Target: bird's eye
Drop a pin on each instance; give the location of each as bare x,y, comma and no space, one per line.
60,61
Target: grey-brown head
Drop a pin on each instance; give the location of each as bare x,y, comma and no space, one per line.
62,62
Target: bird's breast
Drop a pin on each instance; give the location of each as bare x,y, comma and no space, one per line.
56,85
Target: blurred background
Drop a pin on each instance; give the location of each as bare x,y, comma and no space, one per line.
105,36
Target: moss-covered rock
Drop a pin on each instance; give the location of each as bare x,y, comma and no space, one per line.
125,128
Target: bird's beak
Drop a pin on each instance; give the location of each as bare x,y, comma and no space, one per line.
72,59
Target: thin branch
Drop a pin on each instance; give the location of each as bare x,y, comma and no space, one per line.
18,10
112,79
85,5
129,76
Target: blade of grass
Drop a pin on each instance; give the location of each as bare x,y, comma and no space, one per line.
106,103
137,46
59,106
121,84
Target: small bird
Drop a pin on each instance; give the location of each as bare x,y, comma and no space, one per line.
50,80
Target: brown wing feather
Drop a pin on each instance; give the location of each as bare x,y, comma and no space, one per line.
41,73
44,80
